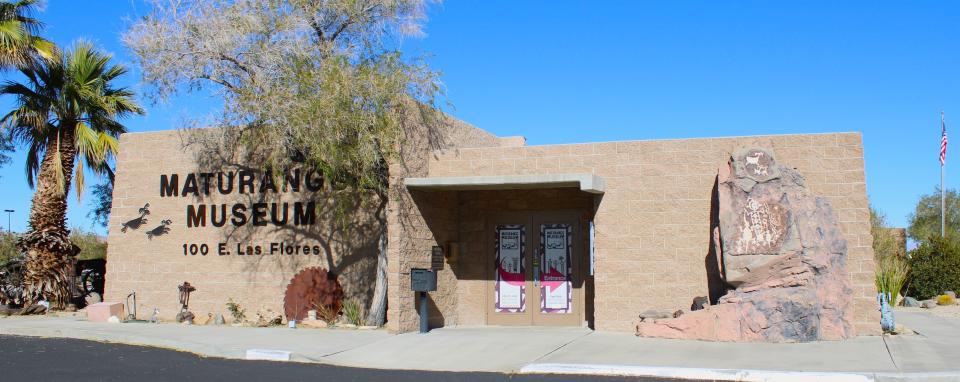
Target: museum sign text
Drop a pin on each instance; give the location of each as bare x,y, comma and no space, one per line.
249,183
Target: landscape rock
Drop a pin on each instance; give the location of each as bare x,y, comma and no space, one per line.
92,298
699,303
911,302
929,304
184,317
319,324
657,314
780,248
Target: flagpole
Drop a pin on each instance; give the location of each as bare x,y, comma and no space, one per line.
943,196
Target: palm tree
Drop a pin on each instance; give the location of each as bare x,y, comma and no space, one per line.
20,47
66,114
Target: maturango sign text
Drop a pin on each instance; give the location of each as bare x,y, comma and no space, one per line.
301,213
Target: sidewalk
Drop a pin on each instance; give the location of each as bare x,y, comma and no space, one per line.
930,356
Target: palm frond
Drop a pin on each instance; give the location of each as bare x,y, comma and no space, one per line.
73,91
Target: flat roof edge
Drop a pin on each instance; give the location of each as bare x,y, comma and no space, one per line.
779,135
589,183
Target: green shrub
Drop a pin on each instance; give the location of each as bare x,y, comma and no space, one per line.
239,313
8,247
934,268
92,246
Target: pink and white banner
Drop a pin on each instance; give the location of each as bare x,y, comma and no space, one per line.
556,277
510,288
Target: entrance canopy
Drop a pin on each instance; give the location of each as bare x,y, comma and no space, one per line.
586,182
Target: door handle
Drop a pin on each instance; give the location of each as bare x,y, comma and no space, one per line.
536,270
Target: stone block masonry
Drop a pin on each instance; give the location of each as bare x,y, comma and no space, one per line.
653,222
235,234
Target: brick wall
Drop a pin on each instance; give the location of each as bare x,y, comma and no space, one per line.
652,235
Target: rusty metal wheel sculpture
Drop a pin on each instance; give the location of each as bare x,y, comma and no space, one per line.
313,288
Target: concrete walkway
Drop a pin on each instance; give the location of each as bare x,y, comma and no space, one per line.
930,356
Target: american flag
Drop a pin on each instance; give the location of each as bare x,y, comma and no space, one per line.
943,141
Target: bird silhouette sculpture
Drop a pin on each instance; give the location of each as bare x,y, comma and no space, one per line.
139,221
161,229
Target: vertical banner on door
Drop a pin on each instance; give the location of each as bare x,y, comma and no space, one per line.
556,277
510,286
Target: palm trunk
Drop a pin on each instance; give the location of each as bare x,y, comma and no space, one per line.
47,244
377,314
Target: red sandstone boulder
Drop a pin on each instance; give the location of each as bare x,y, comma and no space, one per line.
780,248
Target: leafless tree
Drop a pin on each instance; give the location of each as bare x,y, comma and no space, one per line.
319,82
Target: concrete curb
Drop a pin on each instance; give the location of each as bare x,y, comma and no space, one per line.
739,375
178,345
691,373
198,348
239,351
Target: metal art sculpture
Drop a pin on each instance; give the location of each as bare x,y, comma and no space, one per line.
886,313
137,222
313,288
185,315
162,229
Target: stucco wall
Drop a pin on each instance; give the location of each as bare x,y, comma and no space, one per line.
653,233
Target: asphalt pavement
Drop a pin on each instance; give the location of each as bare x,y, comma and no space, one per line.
56,359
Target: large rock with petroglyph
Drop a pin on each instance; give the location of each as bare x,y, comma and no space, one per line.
781,251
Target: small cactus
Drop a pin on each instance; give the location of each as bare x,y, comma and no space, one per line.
945,299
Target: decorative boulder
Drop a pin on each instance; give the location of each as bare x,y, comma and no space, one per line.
911,302
781,251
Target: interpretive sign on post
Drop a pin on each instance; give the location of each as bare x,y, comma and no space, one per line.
423,280
436,258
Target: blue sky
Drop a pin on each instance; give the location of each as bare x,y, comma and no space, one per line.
563,72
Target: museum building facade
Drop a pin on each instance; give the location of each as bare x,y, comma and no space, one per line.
585,234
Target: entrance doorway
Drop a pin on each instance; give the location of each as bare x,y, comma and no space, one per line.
536,267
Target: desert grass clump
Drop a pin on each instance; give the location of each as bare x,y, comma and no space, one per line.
353,312
890,275
327,313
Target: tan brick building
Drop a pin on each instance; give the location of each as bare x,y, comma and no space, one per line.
574,235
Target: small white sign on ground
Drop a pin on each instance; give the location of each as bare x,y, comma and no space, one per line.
268,355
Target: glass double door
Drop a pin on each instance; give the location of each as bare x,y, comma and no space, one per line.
535,269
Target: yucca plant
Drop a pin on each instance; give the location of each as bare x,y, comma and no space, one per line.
890,275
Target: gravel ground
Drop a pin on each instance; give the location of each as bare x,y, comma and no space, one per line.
950,311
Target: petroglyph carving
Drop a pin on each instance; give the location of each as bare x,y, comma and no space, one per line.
762,228
756,164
